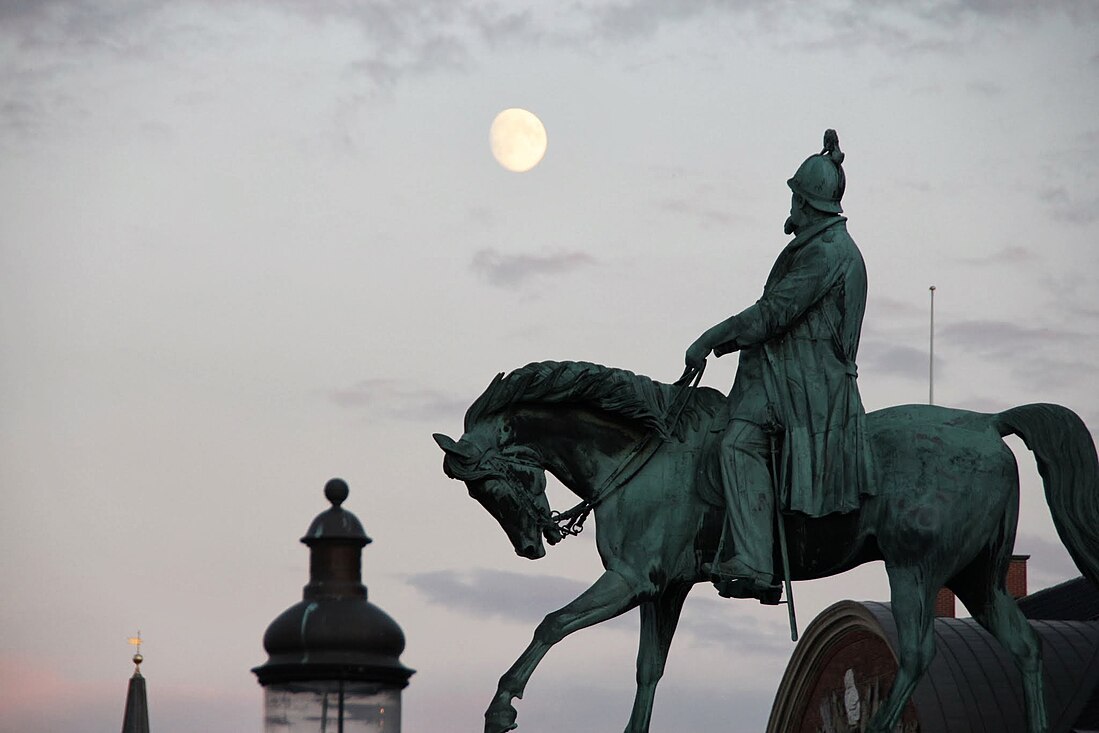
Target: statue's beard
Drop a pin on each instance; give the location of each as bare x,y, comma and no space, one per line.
790,227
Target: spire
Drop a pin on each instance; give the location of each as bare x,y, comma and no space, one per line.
136,717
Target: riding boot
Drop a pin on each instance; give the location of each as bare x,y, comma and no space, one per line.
749,501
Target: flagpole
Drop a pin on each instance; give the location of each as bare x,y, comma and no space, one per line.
931,353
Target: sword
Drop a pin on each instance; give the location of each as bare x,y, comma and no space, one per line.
776,482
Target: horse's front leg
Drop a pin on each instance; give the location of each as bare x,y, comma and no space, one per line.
659,618
608,597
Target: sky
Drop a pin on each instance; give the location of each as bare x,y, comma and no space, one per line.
249,246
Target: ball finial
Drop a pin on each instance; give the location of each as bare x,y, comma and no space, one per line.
135,641
336,491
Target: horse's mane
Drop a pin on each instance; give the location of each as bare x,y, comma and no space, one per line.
616,391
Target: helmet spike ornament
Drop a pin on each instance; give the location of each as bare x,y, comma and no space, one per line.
820,179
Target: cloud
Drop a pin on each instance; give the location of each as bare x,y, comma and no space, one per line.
401,39
902,26
1068,195
1012,255
918,186
710,217
515,27
895,360
643,18
1040,370
526,599
712,622
951,10
387,397
19,14
1074,293
497,593
56,39
736,701
1038,357
78,24
984,88
404,38
506,270
20,115
431,35
895,308
413,56
48,40
1062,206
852,26
1003,338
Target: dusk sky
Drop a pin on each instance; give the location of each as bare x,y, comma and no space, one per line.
248,246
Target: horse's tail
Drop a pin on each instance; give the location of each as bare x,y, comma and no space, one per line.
1067,461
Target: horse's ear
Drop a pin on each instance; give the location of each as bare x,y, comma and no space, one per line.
448,444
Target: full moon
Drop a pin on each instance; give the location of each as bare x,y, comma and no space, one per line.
518,139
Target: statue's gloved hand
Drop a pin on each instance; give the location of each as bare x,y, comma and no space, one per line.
697,353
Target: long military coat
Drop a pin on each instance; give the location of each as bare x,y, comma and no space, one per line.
802,336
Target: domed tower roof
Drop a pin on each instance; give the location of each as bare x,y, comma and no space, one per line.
334,632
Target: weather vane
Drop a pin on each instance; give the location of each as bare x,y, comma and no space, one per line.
136,641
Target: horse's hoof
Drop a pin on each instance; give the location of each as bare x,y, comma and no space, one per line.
500,719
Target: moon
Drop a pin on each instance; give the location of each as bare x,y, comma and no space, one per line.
518,139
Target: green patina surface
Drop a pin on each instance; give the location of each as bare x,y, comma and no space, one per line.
944,511
689,486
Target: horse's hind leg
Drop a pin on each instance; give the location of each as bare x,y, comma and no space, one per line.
980,586
1001,616
913,611
659,618
1008,624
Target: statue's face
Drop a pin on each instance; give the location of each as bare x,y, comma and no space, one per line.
798,218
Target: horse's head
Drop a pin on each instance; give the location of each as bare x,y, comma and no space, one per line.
508,482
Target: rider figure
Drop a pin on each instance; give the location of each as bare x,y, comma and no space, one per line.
795,383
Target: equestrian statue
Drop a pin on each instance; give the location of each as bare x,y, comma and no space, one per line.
786,478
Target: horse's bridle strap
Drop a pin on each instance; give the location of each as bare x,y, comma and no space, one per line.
571,521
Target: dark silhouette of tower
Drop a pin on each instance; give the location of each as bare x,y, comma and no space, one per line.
136,717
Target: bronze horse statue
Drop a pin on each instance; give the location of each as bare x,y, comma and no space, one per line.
945,512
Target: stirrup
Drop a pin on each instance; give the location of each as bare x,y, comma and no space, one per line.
768,595
746,583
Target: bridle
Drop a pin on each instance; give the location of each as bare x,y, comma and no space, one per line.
499,466
571,521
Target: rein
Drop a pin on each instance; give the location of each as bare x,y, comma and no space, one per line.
571,521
